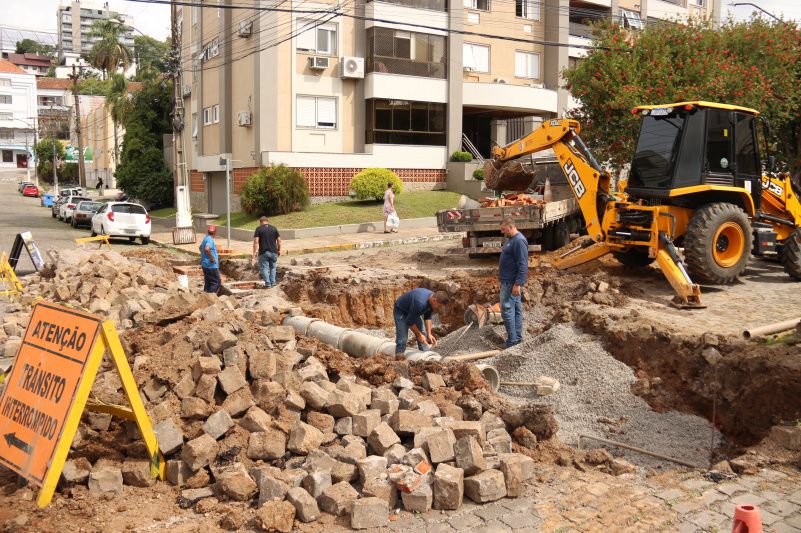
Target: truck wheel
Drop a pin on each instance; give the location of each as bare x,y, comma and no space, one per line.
790,255
633,258
717,243
555,236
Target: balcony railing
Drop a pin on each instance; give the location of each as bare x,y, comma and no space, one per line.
435,5
580,30
407,67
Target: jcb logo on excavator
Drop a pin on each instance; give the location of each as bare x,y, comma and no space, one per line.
775,188
574,179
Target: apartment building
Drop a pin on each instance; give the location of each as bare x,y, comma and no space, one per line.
17,116
54,102
399,84
74,25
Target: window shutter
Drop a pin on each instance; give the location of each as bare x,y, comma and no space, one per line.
481,58
306,39
520,64
533,66
305,112
533,11
468,58
326,112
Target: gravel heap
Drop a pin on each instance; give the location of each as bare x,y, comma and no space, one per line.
471,341
596,399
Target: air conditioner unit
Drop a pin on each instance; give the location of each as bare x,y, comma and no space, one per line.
187,89
244,118
318,63
467,69
351,67
245,28
499,80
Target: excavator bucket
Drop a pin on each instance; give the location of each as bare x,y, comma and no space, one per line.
508,176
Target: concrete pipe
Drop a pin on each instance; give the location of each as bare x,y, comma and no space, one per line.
359,344
490,373
300,323
419,356
770,329
328,333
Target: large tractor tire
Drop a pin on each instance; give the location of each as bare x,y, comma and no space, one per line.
790,255
555,236
717,243
633,258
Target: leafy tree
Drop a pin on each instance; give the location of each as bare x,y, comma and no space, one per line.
29,46
754,64
142,172
274,190
119,106
108,53
151,56
44,150
94,86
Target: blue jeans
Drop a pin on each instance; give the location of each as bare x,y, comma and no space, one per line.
402,331
267,262
211,280
512,314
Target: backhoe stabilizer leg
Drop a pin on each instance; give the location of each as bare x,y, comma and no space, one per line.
688,294
581,255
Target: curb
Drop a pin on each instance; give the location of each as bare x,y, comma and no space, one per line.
337,247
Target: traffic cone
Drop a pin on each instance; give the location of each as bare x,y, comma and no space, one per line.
747,519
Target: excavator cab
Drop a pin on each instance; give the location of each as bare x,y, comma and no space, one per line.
692,153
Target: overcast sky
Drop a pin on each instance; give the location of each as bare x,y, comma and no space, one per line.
154,19
150,19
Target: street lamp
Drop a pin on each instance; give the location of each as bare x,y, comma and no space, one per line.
768,13
35,140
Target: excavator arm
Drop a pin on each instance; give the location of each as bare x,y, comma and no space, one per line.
590,183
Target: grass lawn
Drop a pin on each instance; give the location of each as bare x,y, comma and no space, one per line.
408,204
164,212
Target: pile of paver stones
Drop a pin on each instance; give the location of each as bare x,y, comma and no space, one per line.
269,425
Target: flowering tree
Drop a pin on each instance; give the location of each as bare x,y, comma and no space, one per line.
754,64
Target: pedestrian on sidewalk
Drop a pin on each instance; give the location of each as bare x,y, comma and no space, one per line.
210,263
267,247
391,219
412,309
99,183
512,273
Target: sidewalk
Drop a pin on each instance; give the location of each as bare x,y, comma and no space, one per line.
312,245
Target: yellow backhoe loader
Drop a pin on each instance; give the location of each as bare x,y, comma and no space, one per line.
695,182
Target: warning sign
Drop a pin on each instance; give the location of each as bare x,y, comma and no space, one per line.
41,387
48,388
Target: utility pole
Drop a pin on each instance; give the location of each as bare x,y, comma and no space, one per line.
35,159
183,213
55,158
81,168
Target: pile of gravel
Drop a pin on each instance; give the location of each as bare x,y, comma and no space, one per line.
471,341
595,396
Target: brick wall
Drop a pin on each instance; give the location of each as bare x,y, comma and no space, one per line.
335,181
196,182
240,177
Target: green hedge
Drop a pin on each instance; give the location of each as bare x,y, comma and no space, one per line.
478,174
372,182
274,190
461,157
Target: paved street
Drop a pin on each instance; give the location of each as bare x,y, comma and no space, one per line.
25,214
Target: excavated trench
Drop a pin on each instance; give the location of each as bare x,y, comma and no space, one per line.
748,391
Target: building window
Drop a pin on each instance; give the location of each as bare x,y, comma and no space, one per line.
483,5
5,82
8,156
527,9
207,116
632,19
5,98
6,116
573,62
6,134
405,122
216,113
402,52
316,37
318,112
476,57
527,65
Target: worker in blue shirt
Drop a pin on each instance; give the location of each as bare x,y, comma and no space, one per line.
411,310
512,272
209,262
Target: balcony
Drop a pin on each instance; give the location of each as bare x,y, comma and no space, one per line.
581,30
406,67
434,5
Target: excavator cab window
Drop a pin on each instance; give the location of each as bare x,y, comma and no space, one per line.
660,134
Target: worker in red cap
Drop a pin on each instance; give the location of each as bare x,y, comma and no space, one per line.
210,263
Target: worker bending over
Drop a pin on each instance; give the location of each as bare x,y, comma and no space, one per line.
512,273
411,310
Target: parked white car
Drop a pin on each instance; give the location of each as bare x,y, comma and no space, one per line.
67,208
122,219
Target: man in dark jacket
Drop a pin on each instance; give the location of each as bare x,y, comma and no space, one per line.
512,272
411,310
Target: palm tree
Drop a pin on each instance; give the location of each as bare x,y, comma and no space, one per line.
108,53
119,106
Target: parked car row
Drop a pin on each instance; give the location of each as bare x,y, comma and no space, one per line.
28,188
123,219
